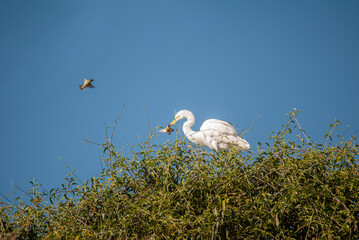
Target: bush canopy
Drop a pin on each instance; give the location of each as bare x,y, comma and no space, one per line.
287,188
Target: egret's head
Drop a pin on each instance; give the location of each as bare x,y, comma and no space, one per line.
179,116
183,114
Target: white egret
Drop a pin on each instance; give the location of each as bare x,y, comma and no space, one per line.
216,134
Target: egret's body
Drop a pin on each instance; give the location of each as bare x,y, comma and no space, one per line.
216,134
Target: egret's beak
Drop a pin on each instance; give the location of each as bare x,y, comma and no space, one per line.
168,129
173,122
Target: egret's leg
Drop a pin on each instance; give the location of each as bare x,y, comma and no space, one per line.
214,145
224,146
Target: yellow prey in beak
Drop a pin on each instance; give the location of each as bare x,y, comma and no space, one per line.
168,129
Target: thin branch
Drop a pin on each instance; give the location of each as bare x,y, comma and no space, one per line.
89,141
244,131
118,117
9,201
300,128
148,119
71,171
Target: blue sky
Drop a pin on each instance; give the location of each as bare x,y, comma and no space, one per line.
230,60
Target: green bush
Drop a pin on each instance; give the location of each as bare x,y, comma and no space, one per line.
292,188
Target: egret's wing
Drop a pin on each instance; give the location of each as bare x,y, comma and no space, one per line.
90,85
219,126
223,134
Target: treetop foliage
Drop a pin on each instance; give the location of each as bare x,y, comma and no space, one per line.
288,188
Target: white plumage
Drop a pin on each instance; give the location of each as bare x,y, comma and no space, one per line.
216,134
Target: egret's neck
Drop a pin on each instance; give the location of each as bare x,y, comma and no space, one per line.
187,128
